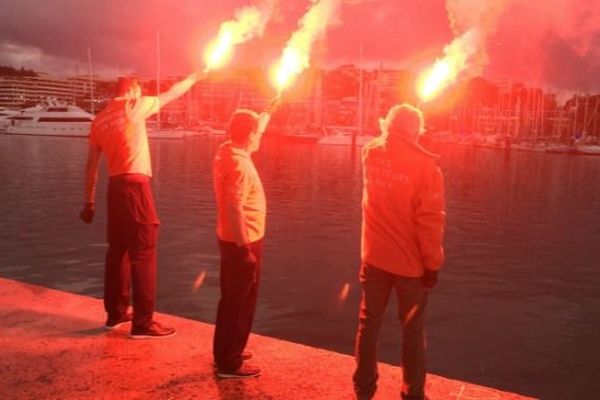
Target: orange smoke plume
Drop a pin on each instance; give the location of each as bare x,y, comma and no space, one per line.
296,55
471,22
249,22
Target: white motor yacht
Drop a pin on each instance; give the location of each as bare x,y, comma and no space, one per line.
5,113
343,137
51,119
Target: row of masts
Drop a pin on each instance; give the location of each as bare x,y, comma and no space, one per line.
512,114
533,116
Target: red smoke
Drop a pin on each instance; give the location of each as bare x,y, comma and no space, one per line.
552,43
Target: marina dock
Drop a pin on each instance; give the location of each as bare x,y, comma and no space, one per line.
54,346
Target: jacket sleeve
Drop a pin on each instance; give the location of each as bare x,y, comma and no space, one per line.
430,217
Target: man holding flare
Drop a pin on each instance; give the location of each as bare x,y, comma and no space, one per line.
119,131
401,248
241,218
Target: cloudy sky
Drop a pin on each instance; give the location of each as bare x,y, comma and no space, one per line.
553,43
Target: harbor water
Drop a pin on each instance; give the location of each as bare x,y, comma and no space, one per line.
517,302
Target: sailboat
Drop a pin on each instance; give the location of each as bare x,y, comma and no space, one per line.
5,114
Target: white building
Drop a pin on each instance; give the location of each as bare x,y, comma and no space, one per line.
20,91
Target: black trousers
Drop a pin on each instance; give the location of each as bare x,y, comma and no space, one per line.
239,290
377,286
131,256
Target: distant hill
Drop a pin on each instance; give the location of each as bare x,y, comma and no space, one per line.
10,71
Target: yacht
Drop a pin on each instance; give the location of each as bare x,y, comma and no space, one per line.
302,134
166,133
5,114
205,129
170,131
51,119
303,137
590,149
343,137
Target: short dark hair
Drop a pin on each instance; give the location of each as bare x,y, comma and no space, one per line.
242,124
124,83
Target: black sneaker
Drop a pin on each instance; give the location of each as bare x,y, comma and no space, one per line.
243,372
364,393
406,396
154,331
246,355
115,322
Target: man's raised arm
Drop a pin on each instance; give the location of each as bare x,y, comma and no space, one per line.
265,116
180,88
151,105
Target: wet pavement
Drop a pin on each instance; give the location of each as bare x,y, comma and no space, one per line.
53,346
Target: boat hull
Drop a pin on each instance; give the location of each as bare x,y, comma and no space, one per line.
70,131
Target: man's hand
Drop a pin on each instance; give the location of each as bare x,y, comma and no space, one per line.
247,255
429,278
249,259
87,215
273,105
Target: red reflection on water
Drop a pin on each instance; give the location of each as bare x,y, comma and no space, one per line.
344,292
199,280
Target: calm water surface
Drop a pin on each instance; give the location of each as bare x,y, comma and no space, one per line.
517,306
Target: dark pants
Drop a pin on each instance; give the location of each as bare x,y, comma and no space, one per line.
239,289
377,286
131,257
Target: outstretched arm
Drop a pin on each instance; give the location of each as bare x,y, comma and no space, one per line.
179,88
265,116
147,106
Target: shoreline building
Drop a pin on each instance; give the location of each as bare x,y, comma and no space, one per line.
25,91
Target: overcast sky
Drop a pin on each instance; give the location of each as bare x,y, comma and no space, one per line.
553,43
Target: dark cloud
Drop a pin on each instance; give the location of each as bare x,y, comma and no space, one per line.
567,68
550,43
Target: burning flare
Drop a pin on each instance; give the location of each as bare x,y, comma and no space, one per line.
472,22
292,64
296,55
249,22
445,70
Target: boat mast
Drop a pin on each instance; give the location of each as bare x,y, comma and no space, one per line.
542,107
158,74
575,113
318,100
585,114
360,95
89,54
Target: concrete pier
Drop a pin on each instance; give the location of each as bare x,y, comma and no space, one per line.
53,346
